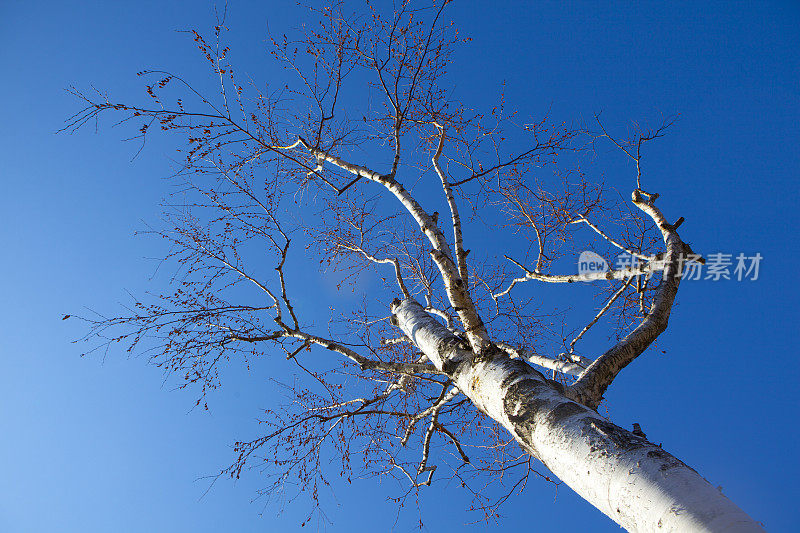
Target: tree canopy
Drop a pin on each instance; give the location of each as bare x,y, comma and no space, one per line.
321,172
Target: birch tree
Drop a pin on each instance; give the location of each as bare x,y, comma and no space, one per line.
369,166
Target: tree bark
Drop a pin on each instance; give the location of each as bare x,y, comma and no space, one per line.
635,482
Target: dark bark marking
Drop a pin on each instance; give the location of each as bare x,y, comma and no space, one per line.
563,411
668,461
557,386
522,404
623,441
453,367
606,432
515,369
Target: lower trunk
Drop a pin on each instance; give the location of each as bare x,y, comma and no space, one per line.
635,482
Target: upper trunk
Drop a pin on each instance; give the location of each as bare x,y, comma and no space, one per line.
635,482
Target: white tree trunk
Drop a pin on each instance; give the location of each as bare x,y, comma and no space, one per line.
635,482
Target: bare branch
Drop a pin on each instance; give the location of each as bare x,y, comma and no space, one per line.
602,311
612,241
542,361
443,399
653,266
592,384
455,286
458,240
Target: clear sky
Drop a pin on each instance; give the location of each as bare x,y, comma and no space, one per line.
95,445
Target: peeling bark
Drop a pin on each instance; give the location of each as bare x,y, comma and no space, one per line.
634,482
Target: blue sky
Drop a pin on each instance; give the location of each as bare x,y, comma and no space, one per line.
93,444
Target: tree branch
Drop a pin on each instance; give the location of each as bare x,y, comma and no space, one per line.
653,266
456,288
592,384
544,362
